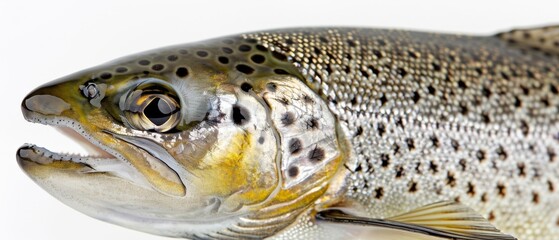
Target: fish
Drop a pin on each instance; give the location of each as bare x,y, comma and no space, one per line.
313,133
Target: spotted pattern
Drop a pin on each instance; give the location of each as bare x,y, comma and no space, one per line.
436,117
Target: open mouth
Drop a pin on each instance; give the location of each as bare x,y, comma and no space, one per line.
98,160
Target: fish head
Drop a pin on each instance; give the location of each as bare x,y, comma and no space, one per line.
187,141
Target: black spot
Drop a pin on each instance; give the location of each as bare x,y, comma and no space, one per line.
521,169
240,115
501,153
485,118
455,145
517,102
486,92
359,131
261,140
399,171
227,50
462,164
471,189
121,70
501,188
172,58
480,155
381,129
433,167
412,187
535,197
434,141
257,58
295,146
377,53
479,71
347,69
545,101
202,53
279,56
383,100
293,171
550,186
483,197
450,179
364,73
553,89
464,109
312,123
351,43
525,90
431,90
505,76
144,62
316,155
287,118
181,72
530,74
436,67
400,123
244,48
223,60
244,69
373,70
246,87
323,39
462,84
317,51
381,42
157,67
412,54
551,154
402,72
379,192
106,75
289,41
524,128
384,160
251,40
410,143
415,97
280,71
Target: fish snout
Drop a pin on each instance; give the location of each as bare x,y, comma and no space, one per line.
43,103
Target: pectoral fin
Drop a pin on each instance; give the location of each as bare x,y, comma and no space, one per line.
444,219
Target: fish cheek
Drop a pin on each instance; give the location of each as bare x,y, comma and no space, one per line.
236,173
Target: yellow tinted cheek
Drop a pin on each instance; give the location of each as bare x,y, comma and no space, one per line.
235,170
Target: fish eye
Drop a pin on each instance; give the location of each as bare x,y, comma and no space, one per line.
152,110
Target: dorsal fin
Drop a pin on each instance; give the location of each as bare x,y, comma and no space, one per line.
545,39
444,219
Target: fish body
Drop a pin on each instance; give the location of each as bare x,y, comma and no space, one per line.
264,134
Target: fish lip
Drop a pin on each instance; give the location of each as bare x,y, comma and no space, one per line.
100,150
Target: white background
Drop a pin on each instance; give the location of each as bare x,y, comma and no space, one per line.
45,39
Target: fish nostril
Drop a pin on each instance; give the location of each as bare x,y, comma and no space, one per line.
45,104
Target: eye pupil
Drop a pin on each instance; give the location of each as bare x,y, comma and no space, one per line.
158,111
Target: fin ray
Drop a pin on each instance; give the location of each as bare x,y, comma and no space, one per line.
442,219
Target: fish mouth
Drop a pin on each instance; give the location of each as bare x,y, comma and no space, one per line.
99,158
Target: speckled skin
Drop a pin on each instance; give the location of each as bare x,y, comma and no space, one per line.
377,121
434,117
